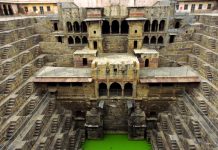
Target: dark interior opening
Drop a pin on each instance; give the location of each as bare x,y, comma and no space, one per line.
162,25
128,89
77,40
69,27
83,27
76,26
70,40
135,44
115,26
85,62
95,44
102,89
5,10
105,27
147,26
177,25
10,10
160,40
124,27
146,40
55,26
60,39
154,25
146,62
172,38
153,40
115,89
84,40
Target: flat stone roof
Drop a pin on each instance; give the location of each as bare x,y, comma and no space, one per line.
63,74
136,18
168,74
85,52
115,58
9,18
145,51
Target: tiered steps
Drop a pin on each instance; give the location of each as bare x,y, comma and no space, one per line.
54,126
38,126
196,129
203,107
205,89
7,68
10,105
9,85
58,144
31,106
178,126
11,130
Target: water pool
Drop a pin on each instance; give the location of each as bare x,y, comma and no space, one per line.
116,142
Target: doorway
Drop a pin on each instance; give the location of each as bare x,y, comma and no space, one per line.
192,8
41,10
135,44
95,45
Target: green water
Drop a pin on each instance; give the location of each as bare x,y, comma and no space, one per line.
116,142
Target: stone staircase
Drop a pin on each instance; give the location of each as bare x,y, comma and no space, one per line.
174,145
11,130
205,89
196,129
178,126
5,52
182,107
38,126
160,144
31,106
10,105
203,107
58,144
208,73
67,125
212,44
54,126
26,72
9,85
7,68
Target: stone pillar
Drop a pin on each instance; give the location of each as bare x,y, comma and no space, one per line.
94,124
136,124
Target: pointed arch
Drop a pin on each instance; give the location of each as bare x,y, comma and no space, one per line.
83,27
69,27
76,26
146,40
77,40
153,40
115,26
124,27
160,40
147,26
70,40
162,25
105,27
154,26
84,40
